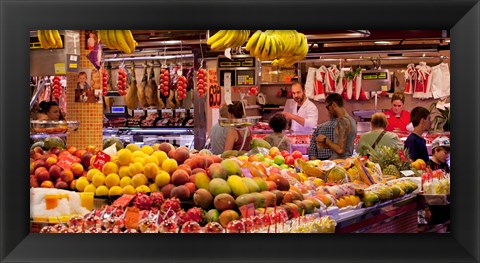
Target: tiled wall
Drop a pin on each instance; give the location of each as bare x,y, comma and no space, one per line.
90,115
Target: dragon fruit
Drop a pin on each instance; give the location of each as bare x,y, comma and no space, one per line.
157,199
171,204
181,217
142,201
196,214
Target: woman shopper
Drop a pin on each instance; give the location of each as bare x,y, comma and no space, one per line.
378,136
237,139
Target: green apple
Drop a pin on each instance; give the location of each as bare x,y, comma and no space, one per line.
279,160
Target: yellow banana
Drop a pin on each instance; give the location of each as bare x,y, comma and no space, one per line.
300,40
216,36
41,39
273,48
121,42
102,34
58,39
266,48
260,44
220,43
292,39
112,39
127,34
244,38
253,40
232,38
49,38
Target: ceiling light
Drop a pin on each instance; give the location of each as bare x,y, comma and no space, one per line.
447,40
382,42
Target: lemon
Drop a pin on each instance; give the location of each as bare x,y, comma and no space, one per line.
92,172
125,157
98,179
112,180
150,170
128,190
161,156
139,160
147,149
102,190
151,159
169,165
132,147
90,188
139,180
142,189
162,179
123,171
82,182
115,190
154,188
125,181
138,154
110,168
135,168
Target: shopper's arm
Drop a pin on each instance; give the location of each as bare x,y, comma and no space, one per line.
231,137
342,130
298,119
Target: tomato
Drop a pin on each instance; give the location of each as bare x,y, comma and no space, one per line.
296,155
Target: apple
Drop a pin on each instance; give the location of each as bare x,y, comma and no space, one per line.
297,154
61,185
284,153
55,172
289,160
279,159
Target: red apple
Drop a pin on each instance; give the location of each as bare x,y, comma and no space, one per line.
284,153
296,155
289,160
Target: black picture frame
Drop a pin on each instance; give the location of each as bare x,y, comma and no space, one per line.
460,17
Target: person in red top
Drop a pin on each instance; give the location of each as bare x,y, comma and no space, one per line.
397,118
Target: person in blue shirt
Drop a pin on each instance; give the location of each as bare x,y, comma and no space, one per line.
415,143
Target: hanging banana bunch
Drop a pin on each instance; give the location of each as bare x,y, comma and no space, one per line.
224,39
118,39
283,47
49,39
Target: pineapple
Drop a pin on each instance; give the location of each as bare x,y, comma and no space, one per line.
386,156
392,170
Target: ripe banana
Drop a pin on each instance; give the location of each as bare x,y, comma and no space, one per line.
113,39
103,34
260,44
121,42
132,44
49,38
220,43
233,36
216,36
57,38
253,40
266,48
273,47
41,39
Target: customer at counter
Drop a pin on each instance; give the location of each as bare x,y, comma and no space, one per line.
218,134
315,150
305,117
237,139
397,118
52,110
345,131
378,136
415,143
440,154
278,123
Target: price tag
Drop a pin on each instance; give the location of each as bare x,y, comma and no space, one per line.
214,96
59,68
246,172
407,173
132,217
247,210
100,160
66,162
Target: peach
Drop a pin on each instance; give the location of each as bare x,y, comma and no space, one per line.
33,182
71,149
199,161
39,150
61,185
191,178
90,149
216,159
42,174
191,187
77,169
198,170
181,192
188,162
54,150
55,172
79,153
38,163
186,168
67,176
47,184
165,147
50,161
271,185
180,155
167,189
180,177
170,154
32,167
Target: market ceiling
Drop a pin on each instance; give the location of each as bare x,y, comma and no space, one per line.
321,41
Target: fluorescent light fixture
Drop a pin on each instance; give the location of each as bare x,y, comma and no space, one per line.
382,42
447,40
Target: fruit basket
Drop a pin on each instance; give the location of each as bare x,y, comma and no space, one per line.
243,122
48,126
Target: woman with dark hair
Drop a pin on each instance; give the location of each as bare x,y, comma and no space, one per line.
237,138
397,118
278,123
52,110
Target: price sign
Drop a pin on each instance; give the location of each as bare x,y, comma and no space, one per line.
247,210
100,160
132,217
66,162
214,96
246,172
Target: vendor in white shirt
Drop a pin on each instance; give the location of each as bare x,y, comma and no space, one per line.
304,113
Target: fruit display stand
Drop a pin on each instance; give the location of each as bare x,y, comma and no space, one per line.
396,217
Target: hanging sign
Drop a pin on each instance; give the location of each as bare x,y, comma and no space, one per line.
214,90
72,62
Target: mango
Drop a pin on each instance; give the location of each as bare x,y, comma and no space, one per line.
278,195
251,184
227,216
261,183
237,185
231,167
216,170
229,153
245,199
202,180
309,206
212,215
260,200
259,143
224,202
218,186
203,198
270,198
